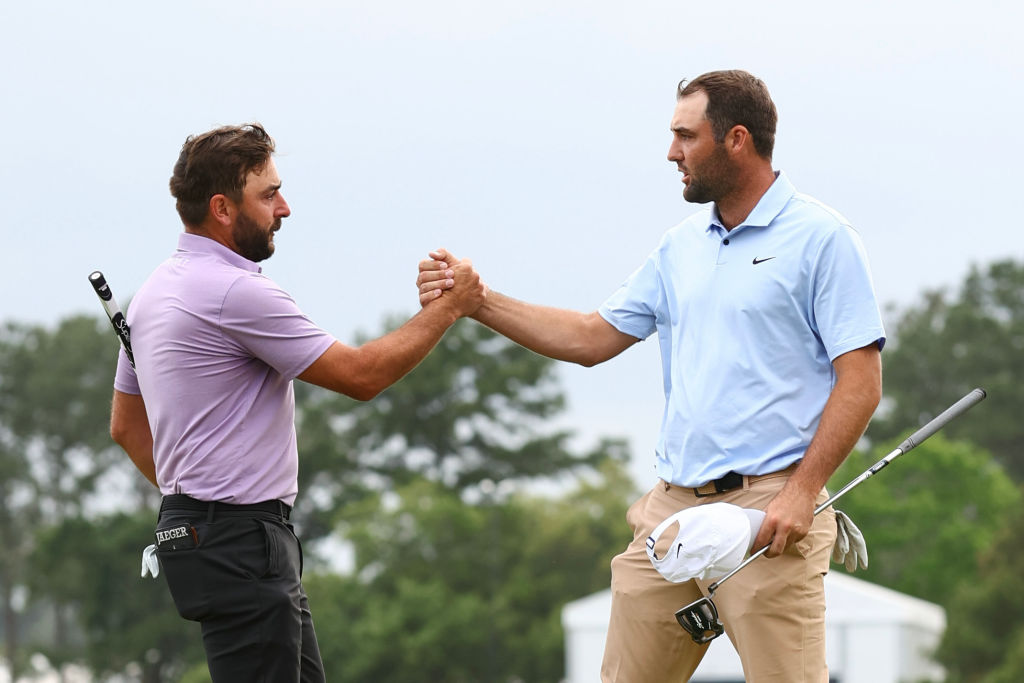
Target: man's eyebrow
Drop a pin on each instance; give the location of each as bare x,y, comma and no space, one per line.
681,129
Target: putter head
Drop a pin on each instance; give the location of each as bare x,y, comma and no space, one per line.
700,620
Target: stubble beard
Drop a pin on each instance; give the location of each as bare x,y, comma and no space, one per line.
713,180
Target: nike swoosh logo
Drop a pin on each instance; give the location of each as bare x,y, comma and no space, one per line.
762,260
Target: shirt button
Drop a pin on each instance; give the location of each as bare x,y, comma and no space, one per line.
725,241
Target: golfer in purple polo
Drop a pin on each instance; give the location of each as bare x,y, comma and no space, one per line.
208,412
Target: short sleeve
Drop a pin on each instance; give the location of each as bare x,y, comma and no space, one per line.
262,318
125,379
632,308
845,310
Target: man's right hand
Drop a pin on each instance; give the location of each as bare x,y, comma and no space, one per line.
584,338
455,279
436,274
443,274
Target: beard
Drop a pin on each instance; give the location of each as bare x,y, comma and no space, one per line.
712,180
254,242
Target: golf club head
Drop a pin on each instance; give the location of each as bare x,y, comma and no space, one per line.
700,620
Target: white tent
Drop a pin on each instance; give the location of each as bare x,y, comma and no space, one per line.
875,635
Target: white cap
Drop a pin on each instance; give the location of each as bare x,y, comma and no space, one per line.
713,540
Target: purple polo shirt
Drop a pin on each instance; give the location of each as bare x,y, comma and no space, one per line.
216,346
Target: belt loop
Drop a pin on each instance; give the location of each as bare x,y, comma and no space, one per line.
209,512
281,510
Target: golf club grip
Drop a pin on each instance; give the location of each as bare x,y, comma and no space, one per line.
943,418
117,319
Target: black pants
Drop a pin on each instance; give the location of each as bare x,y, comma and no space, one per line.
236,569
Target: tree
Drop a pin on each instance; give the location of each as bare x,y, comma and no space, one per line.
984,639
445,591
476,410
55,402
928,515
126,622
478,407
947,345
17,503
55,387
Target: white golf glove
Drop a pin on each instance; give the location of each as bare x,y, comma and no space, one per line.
850,548
150,562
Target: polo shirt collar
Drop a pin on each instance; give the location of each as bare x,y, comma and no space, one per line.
771,204
204,245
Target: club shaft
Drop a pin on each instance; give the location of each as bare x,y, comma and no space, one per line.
912,441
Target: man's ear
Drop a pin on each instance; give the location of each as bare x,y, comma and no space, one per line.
222,209
738,138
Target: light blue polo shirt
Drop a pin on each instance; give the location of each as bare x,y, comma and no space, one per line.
748,322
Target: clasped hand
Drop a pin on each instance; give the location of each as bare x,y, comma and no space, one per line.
444,275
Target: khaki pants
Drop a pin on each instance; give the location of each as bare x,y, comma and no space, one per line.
773,610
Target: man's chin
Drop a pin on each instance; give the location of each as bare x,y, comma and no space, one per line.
694,195
269,250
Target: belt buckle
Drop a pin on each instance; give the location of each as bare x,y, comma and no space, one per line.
727,482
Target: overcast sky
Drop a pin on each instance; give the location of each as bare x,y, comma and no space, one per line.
529,136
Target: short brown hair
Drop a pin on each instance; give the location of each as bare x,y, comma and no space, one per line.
217,162
736,98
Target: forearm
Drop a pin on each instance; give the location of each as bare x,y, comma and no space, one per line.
586,339
141,454
365,371
847,413
384,361
129,427
857,391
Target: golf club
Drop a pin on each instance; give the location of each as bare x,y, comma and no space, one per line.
700,618
99,283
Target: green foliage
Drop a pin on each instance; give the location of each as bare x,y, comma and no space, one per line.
928,515
984,639
447,592
946,346
200,673
125,620
55,388
478,407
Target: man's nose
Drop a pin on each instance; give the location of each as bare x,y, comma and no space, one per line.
675,152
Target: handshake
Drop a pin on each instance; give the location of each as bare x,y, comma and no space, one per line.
452,282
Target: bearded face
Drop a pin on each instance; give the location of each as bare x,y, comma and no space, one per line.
710,178
254,241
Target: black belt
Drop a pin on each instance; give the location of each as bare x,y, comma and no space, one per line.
179,501
724,483
732,480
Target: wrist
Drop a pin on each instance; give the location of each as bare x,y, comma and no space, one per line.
488,308
444,310
802,487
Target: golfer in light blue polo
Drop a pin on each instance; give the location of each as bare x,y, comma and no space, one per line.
770,341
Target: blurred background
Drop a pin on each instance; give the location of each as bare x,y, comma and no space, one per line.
448,521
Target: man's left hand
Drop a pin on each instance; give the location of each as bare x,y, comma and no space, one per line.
787,519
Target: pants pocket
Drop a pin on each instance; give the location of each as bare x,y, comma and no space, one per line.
178,551
634,515
284,551
273,545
